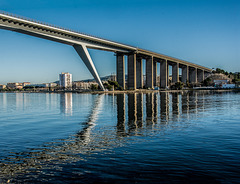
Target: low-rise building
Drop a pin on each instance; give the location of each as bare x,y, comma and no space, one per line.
49,85
83,85
26,84
2,86
14,85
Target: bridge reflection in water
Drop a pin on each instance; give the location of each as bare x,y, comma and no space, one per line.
136,112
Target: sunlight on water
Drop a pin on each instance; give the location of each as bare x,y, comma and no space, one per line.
190,137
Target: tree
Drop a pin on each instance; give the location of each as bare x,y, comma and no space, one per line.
94,87
207,82
114,83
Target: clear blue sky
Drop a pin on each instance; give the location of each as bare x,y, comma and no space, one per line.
206,32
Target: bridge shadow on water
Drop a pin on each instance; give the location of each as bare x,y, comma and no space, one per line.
137,114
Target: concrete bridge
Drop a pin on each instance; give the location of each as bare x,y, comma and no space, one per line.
81,42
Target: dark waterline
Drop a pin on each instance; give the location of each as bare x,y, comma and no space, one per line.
125,138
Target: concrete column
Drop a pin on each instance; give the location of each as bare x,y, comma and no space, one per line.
185,74
121,70
149,72
132,71
193,75
139,73
175,72
163,74
200,75
154,73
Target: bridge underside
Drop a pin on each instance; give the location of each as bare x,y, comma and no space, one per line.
81,42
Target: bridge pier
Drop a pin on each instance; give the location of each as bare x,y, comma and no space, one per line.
175,72
132,71
149,72
200,75
121,70
139,73
164,74
185,74
193,75
154,73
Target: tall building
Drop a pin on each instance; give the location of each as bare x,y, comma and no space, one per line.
65,80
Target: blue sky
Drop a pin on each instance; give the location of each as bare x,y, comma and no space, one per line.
205,32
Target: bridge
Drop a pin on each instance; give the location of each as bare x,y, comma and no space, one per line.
81,42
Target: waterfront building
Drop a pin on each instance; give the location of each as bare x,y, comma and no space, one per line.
2,86
83,85
50,85
14,85
25,84
65,80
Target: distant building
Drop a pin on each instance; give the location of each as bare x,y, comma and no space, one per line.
49,85
2,86
65,80
26,84
83,85
14,85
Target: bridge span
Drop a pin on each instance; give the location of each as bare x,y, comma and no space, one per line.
81,42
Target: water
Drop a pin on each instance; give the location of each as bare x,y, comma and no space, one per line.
126,138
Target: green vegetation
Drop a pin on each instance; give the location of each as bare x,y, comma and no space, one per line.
94,87
234,76
177,86
207,82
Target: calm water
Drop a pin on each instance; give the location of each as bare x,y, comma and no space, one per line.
132,138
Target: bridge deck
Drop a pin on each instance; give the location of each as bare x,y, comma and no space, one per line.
54,33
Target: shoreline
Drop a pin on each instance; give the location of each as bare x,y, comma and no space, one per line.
125,91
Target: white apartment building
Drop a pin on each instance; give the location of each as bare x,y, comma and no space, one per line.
65,80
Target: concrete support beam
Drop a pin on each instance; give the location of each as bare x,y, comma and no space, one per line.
139,73
164,74
200,75
132,84
149,72
86,58
154,73
185,74
121,70
175,72
193,75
